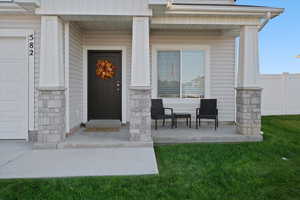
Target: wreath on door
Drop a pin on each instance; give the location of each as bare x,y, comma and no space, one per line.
105,69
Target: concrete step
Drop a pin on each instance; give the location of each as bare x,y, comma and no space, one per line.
69,145
92,145
103,124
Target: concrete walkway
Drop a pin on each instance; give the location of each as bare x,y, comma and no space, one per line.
19,160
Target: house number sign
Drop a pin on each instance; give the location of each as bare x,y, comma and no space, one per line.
31,45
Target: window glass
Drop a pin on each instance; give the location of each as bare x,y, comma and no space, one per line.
193,74
168,73
181,78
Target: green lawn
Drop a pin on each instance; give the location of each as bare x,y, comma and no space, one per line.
193,171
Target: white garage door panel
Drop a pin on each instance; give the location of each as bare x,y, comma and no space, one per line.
13,88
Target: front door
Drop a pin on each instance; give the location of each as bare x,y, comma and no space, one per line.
104,85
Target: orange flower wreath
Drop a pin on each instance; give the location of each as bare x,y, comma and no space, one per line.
105,69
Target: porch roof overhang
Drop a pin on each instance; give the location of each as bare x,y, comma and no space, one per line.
19,6
227,17
233,10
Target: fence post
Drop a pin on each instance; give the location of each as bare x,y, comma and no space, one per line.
285,76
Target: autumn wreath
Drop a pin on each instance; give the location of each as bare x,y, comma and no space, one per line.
105,69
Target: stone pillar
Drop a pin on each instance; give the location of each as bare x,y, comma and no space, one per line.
248,110
51,116
248,93
140,116
140,90
51,105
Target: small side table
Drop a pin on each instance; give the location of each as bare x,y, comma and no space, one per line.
186,116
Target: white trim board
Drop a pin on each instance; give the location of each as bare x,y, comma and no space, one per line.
180,47
124,78
67,78
28,36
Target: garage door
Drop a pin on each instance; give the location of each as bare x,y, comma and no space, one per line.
13,88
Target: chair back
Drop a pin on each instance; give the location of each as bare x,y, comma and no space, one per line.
208,107
157,108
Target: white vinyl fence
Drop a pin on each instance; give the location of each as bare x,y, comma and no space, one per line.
281,94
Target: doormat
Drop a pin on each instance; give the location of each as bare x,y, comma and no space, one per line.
102,130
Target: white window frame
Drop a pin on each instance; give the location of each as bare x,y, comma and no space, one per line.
178,47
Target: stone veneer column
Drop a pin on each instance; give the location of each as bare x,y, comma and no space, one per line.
140,90
140,116
248,110
51,105
248,92
51,116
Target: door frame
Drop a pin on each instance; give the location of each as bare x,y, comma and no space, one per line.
29,37
123,50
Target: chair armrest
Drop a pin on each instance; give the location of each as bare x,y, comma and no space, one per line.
197,111
171,109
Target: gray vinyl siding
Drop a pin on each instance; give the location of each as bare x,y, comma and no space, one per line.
222,60
222,65
27,23
94,6
75,75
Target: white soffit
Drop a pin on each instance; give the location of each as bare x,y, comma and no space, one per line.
206,9
102,23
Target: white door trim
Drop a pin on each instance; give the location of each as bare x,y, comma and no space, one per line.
124,78
29,37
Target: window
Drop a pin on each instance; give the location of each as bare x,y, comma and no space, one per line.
181,74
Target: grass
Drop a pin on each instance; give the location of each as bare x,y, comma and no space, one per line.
193,171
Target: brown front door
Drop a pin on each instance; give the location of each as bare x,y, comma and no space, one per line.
104,85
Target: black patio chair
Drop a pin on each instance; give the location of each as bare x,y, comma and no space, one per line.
158,112
208,110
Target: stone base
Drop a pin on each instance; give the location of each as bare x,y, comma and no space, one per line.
51,124
140,116
248,110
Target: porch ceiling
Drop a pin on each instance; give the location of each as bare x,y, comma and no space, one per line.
102,22
105,23
192,27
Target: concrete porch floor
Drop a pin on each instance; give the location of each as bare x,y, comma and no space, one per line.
206,134
164,135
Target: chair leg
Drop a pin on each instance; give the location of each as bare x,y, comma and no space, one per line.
216,124
197,123
155,124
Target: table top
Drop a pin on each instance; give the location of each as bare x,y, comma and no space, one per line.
182,114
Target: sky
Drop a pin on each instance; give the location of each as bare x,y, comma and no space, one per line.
280,39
